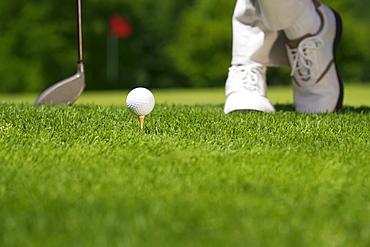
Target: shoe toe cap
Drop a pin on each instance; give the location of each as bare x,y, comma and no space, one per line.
243,101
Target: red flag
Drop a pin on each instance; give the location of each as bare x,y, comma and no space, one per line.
120,26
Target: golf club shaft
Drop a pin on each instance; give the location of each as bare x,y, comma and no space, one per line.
79,31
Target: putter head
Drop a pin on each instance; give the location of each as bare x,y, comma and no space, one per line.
66,91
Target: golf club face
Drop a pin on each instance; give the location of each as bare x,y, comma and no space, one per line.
66,91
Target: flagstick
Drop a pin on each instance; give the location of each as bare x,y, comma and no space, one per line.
141,121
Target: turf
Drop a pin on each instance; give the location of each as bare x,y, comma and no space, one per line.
356,94
87,176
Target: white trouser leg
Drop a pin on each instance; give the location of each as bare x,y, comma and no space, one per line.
280,14
255,35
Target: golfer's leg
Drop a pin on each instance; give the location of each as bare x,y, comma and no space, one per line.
280,14
252,41
246,85
313,31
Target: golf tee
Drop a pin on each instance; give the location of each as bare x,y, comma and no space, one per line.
141,121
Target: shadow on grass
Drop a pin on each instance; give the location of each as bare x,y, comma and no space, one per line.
352,109
285,107
345,109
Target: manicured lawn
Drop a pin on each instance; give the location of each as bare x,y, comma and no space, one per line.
355,95
85,175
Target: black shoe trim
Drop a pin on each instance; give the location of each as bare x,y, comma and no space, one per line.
338,36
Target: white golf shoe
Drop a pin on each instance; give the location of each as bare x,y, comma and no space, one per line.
246,89
317,85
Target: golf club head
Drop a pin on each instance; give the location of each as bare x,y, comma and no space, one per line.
66,91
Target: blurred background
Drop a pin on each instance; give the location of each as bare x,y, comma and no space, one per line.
158,44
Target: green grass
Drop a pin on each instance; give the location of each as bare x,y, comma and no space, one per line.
355,95
86,175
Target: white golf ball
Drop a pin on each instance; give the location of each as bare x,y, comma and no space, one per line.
140,101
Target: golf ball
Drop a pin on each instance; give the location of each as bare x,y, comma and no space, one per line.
140,101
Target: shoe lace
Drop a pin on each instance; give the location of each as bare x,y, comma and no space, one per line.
303,59
248,75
